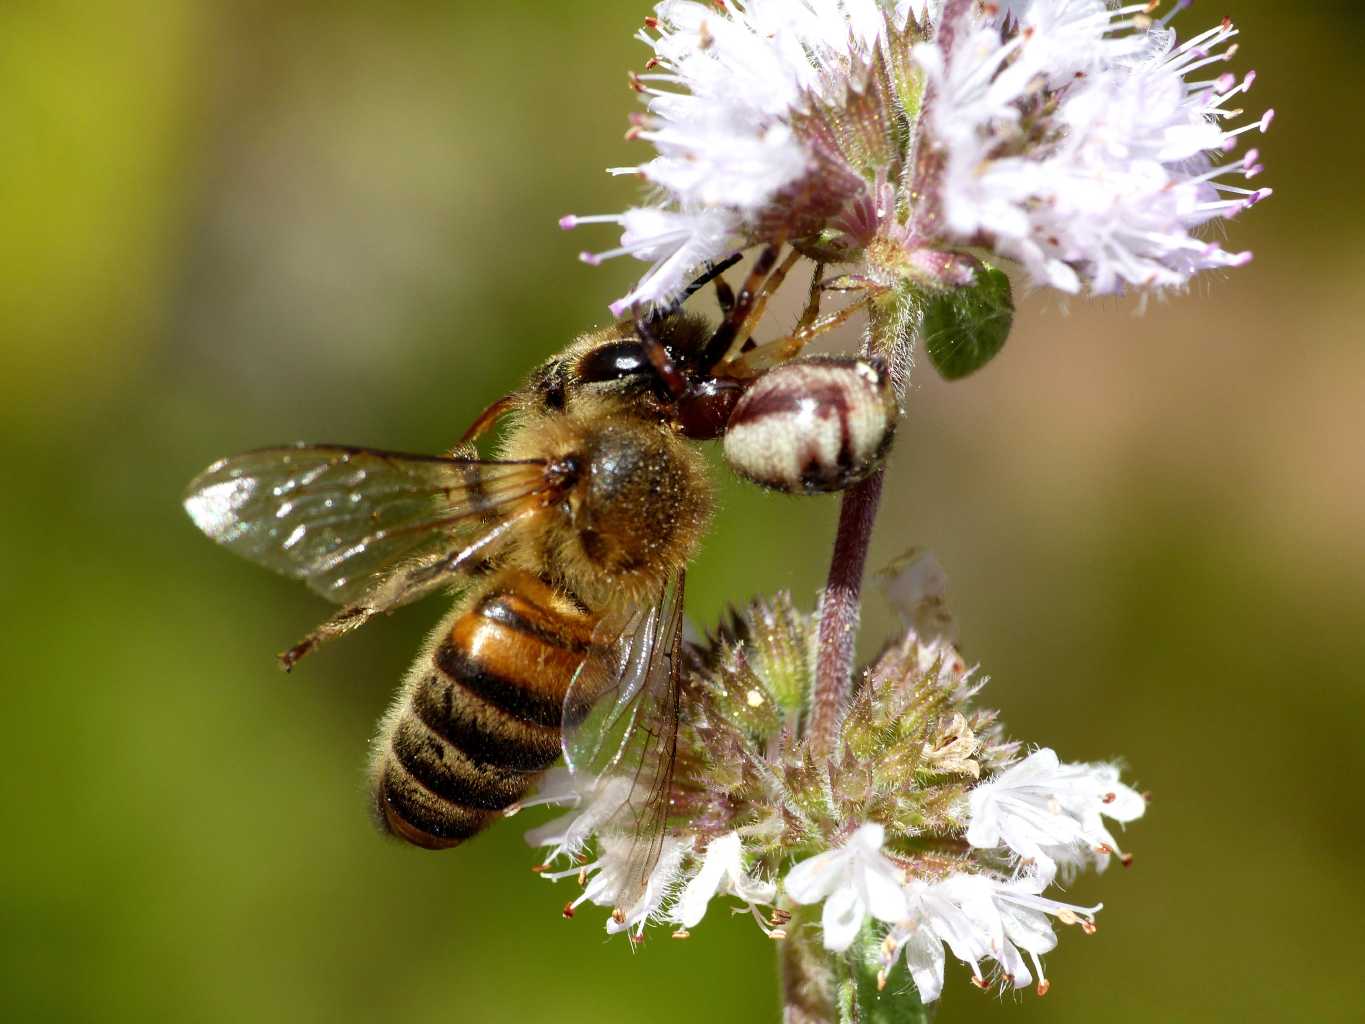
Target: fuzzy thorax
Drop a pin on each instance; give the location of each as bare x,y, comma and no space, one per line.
636,503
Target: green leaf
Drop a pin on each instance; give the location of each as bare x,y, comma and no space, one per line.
965,328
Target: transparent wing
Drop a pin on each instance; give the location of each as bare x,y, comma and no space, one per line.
621,724
337,517
370,530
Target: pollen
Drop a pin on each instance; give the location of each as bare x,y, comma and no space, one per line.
754,698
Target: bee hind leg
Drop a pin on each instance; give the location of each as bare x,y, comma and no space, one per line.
338,625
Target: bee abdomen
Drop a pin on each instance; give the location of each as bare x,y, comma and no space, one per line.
482,719
447,772
412,812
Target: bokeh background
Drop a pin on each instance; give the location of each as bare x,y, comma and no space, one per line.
229,223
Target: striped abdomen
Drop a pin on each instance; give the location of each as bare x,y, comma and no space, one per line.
813,424
480,716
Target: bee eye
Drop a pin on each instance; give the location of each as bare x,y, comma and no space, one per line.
613,361
812,425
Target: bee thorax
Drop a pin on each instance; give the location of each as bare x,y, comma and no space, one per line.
638,509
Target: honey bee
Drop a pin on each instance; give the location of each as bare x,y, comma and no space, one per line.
568,553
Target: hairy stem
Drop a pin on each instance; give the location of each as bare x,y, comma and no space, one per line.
839,610
893,321
808,981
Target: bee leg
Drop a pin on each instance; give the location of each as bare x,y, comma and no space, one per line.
487,418
817,292
808,315
339,624
779,350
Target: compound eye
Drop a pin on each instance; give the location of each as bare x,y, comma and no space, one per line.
613,361
812,425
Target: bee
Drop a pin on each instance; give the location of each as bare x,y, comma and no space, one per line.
568,553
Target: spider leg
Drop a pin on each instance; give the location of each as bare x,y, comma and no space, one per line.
716,349
779,350
760,306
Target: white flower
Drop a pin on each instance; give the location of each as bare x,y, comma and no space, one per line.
1052,814
978,917
593,801
722,871
662,881
609,881
1084,145
935,917
855,880
731,100
1023,915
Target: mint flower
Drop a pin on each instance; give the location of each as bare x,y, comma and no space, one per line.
1086,142
722,873
744,106
1052,814
921,837
854,881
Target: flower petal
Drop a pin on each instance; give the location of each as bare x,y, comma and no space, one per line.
843,918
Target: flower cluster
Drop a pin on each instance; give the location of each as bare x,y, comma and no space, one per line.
926,830
1087,142
769,119
1080,139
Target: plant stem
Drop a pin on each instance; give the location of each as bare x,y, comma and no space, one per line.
893,321
839,610
808,981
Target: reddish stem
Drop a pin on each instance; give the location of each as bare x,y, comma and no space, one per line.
839,611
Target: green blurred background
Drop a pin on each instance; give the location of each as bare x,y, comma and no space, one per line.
231,223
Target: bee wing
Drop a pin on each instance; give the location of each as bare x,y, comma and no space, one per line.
621,721
340,518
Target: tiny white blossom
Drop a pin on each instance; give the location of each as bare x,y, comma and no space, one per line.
1052,814
607,882
660,885
935,917
593,802
728,92
1078,139
978,917
855,880
1024,921
722,872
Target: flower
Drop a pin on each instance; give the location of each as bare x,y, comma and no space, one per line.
1051,814
1078,140
742,110
609,880
935,917
722,871
1023,916
978,916
594,801
903,845
660,885
855,880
